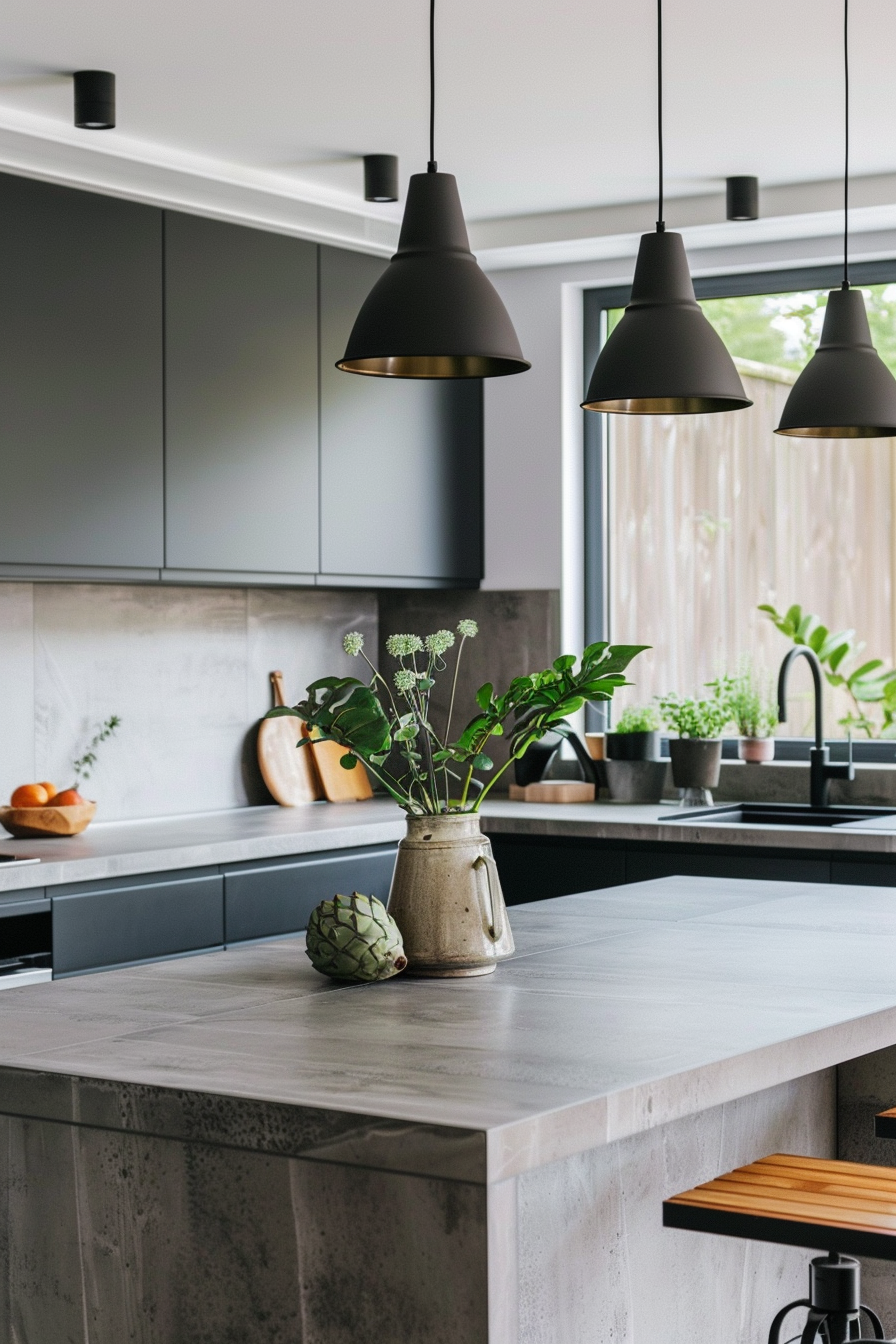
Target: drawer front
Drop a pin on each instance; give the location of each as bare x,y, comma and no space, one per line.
538,871
643,867
856,873
273,899
122,925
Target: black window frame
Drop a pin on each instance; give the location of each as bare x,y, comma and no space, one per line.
599,300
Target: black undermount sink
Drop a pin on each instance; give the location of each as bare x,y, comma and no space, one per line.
779,814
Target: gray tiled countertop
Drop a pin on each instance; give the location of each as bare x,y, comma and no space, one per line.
122,848
622,1010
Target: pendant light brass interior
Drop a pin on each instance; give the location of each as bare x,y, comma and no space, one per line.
664,357
846,390
433,313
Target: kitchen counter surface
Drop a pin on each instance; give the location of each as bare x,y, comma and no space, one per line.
622,1010
121,848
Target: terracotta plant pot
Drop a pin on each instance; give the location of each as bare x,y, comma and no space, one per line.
756,750
446,898
633,746
636,781
596,744
696,762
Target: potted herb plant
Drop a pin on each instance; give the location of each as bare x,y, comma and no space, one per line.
697,751
636,737
446,897
754,709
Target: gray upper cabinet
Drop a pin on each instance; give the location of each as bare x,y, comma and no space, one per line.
80,378
401,460
241,431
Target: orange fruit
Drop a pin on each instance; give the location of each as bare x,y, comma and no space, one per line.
30,795
50,788
68,798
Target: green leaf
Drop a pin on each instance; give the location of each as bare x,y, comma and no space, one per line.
816,640
348,762
836,657
792,617
482,762
283,712
484,695
564,662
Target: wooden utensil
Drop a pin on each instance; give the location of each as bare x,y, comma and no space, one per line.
32,823
340,786
290,772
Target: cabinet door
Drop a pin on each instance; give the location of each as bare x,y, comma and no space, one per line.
241,399
268,899
401,459
535,870
116,924
80,378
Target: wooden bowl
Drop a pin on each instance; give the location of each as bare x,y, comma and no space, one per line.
33,823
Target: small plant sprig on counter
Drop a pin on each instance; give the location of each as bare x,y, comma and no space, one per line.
754,705
700,718
638,719
379,721
84,765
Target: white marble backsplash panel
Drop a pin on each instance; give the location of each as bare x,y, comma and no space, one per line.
186,669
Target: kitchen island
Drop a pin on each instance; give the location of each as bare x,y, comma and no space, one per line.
230,1147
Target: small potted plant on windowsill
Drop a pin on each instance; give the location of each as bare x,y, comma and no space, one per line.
697,751
635,773
754,708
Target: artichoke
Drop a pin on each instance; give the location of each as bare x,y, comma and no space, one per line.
354,938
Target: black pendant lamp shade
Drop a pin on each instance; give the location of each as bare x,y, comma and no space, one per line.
94,100
741,197
380,177
664,357
433,313
846,390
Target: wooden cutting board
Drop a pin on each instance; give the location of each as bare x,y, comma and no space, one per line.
290,772
553,791
340,786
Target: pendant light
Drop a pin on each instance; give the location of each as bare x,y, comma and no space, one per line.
664,357
846,390
433,313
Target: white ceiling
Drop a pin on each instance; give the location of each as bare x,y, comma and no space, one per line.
543,107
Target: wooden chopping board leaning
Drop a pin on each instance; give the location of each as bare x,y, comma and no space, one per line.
289,772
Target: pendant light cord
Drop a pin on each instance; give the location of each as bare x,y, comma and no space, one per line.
432,166
660,223
846,144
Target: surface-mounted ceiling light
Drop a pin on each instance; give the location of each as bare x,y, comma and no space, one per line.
741,197
380,177
664,358
433,313
846,390
94,100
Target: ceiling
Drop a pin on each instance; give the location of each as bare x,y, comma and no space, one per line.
542,107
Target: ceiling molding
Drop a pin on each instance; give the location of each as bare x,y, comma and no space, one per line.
118,166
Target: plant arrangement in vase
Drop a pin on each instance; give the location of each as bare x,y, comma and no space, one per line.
446,897
754,709
697,751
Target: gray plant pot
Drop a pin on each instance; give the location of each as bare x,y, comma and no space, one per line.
633,746
696,762
636,781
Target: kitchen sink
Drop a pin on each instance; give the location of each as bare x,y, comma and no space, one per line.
780,814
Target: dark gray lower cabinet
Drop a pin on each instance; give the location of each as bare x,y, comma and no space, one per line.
106,924
266,900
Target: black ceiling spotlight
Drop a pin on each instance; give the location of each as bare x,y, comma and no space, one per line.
664,358
433,313
846,390
741,197
94,100
380,177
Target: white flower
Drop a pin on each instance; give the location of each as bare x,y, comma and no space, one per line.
439,643
468,629
405,681
402,646
353,643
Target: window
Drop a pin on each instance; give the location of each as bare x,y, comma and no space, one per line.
705,517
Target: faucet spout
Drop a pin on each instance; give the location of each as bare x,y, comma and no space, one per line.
821,772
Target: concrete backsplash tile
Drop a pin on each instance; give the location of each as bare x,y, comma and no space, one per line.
17,683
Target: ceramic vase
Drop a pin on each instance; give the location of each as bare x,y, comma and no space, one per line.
446,898
696,765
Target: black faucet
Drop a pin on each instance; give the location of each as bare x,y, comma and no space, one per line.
821,772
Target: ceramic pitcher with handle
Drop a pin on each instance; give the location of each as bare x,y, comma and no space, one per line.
446,898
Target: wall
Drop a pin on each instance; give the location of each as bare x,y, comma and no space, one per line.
185,668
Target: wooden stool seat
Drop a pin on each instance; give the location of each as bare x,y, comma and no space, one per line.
798,1201
885,1124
